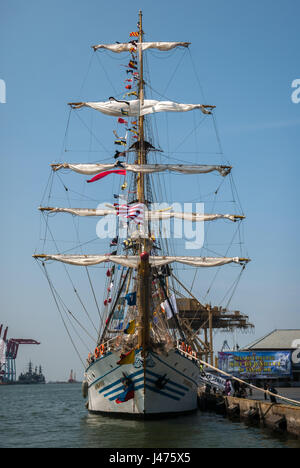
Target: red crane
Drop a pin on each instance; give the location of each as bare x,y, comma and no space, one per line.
8,354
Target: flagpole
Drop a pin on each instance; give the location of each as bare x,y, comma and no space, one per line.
144,266
141,155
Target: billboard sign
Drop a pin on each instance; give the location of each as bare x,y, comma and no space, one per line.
259,364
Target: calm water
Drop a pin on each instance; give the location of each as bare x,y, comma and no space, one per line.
55,416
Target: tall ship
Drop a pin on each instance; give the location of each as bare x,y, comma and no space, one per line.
144,361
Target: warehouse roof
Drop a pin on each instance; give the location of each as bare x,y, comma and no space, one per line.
277,339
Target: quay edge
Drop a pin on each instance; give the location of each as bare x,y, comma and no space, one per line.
278,417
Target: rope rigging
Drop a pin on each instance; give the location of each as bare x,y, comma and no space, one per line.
156,188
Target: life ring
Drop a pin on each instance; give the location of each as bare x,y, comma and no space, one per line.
102,349
183,346
97,353
189,350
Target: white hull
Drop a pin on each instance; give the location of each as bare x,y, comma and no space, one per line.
177,395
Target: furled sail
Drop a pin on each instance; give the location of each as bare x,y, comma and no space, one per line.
127,47
149,215
80,211
92,169
134,108
133,261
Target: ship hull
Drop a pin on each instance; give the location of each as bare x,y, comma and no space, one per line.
164,385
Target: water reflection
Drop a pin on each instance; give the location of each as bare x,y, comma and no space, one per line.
197,431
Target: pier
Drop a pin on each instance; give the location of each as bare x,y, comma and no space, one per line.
280,417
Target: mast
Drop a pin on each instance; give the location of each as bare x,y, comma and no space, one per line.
143,285
141,154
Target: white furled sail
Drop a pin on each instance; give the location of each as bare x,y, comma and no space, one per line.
127,47
194,217
133,261
149,215
80,211
135,108
93,169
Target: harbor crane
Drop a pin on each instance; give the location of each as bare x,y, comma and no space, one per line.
8,354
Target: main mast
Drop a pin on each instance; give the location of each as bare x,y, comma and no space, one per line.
141,153
144,266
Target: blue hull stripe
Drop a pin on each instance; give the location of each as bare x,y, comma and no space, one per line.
102,376
130,376
170,382
166,387
113,370
121,389
135,374
172,397
175,370
149,387
117,396
155,390
162,391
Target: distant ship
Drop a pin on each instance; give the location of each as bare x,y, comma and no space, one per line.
72,378
32,377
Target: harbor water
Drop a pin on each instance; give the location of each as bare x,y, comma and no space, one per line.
53,415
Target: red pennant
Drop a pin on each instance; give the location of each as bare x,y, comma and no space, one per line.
122,121
106,173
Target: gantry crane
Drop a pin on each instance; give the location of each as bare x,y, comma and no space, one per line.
8,353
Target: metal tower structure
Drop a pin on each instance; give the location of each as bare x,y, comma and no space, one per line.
8,354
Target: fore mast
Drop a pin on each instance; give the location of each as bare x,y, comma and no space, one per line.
143,284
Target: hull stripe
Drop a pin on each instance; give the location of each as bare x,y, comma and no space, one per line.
117,396
150,387
131,376
175,370
102,376
121,389
170,382
165,388
135,374
141,379
155,390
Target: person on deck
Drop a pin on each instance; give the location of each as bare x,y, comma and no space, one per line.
272,389
266,387
228,388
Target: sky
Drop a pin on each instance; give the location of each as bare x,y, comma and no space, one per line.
246,55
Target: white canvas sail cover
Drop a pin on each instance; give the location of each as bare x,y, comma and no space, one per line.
149,215
134,108
93,169
126,47
80,211
133,261
167,309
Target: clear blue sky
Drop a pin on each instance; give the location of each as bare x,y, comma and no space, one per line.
247,56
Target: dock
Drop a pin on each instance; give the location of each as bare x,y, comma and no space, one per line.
281,418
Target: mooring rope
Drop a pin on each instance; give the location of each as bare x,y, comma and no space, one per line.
203,363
